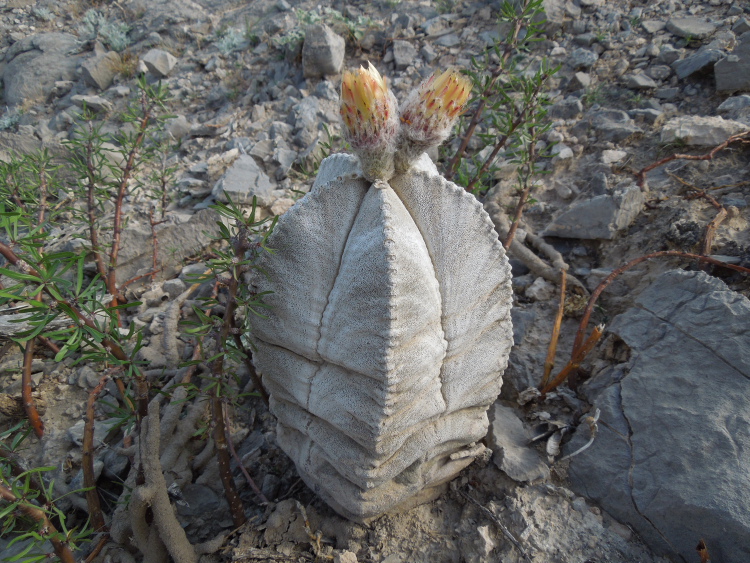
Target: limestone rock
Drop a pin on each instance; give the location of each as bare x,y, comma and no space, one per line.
94,103
322,52
613,125
699,131
582,58
242,181
100,71
674,431
734,104
403,54
35,63
159,62
733,73
696,28
380,366
600,217
509,441
639,82
701,61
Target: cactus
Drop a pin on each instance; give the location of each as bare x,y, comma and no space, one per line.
389,323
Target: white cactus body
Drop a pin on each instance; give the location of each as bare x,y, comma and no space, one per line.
387,336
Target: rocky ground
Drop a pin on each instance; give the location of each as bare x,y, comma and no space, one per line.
638,81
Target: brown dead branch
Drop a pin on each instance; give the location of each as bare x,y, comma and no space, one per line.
533,262
703,552
708,236
582,346
743,137
248,478
575,362
610,278
28,401
87,462
552,350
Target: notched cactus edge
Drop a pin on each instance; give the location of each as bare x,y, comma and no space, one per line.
389,325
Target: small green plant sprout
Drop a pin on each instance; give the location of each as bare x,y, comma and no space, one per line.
230,40
43,14
509,111
95,25
9,119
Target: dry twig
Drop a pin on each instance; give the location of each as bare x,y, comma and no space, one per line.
28,401
743,137
248,478
582,346
552,350
87,463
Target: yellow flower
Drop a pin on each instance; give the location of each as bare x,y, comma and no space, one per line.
431,110
368,108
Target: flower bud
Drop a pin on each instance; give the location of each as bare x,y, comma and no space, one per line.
429,113
370,114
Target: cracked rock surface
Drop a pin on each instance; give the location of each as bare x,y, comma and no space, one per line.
675,429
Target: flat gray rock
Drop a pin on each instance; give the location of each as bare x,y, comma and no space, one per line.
322,52
674,441
733,73
653,26
569,108
242,181
702,61
699,131
639,82
695,28
35,63
94,103
734,103
159,62
99,71
613,125
600,217
404,54
509,440
582,58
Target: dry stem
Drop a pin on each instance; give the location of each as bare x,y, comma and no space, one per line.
551,351
580,347
249,479
28,401
743,137
87,463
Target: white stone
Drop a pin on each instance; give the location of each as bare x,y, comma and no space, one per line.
700,131
610,156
